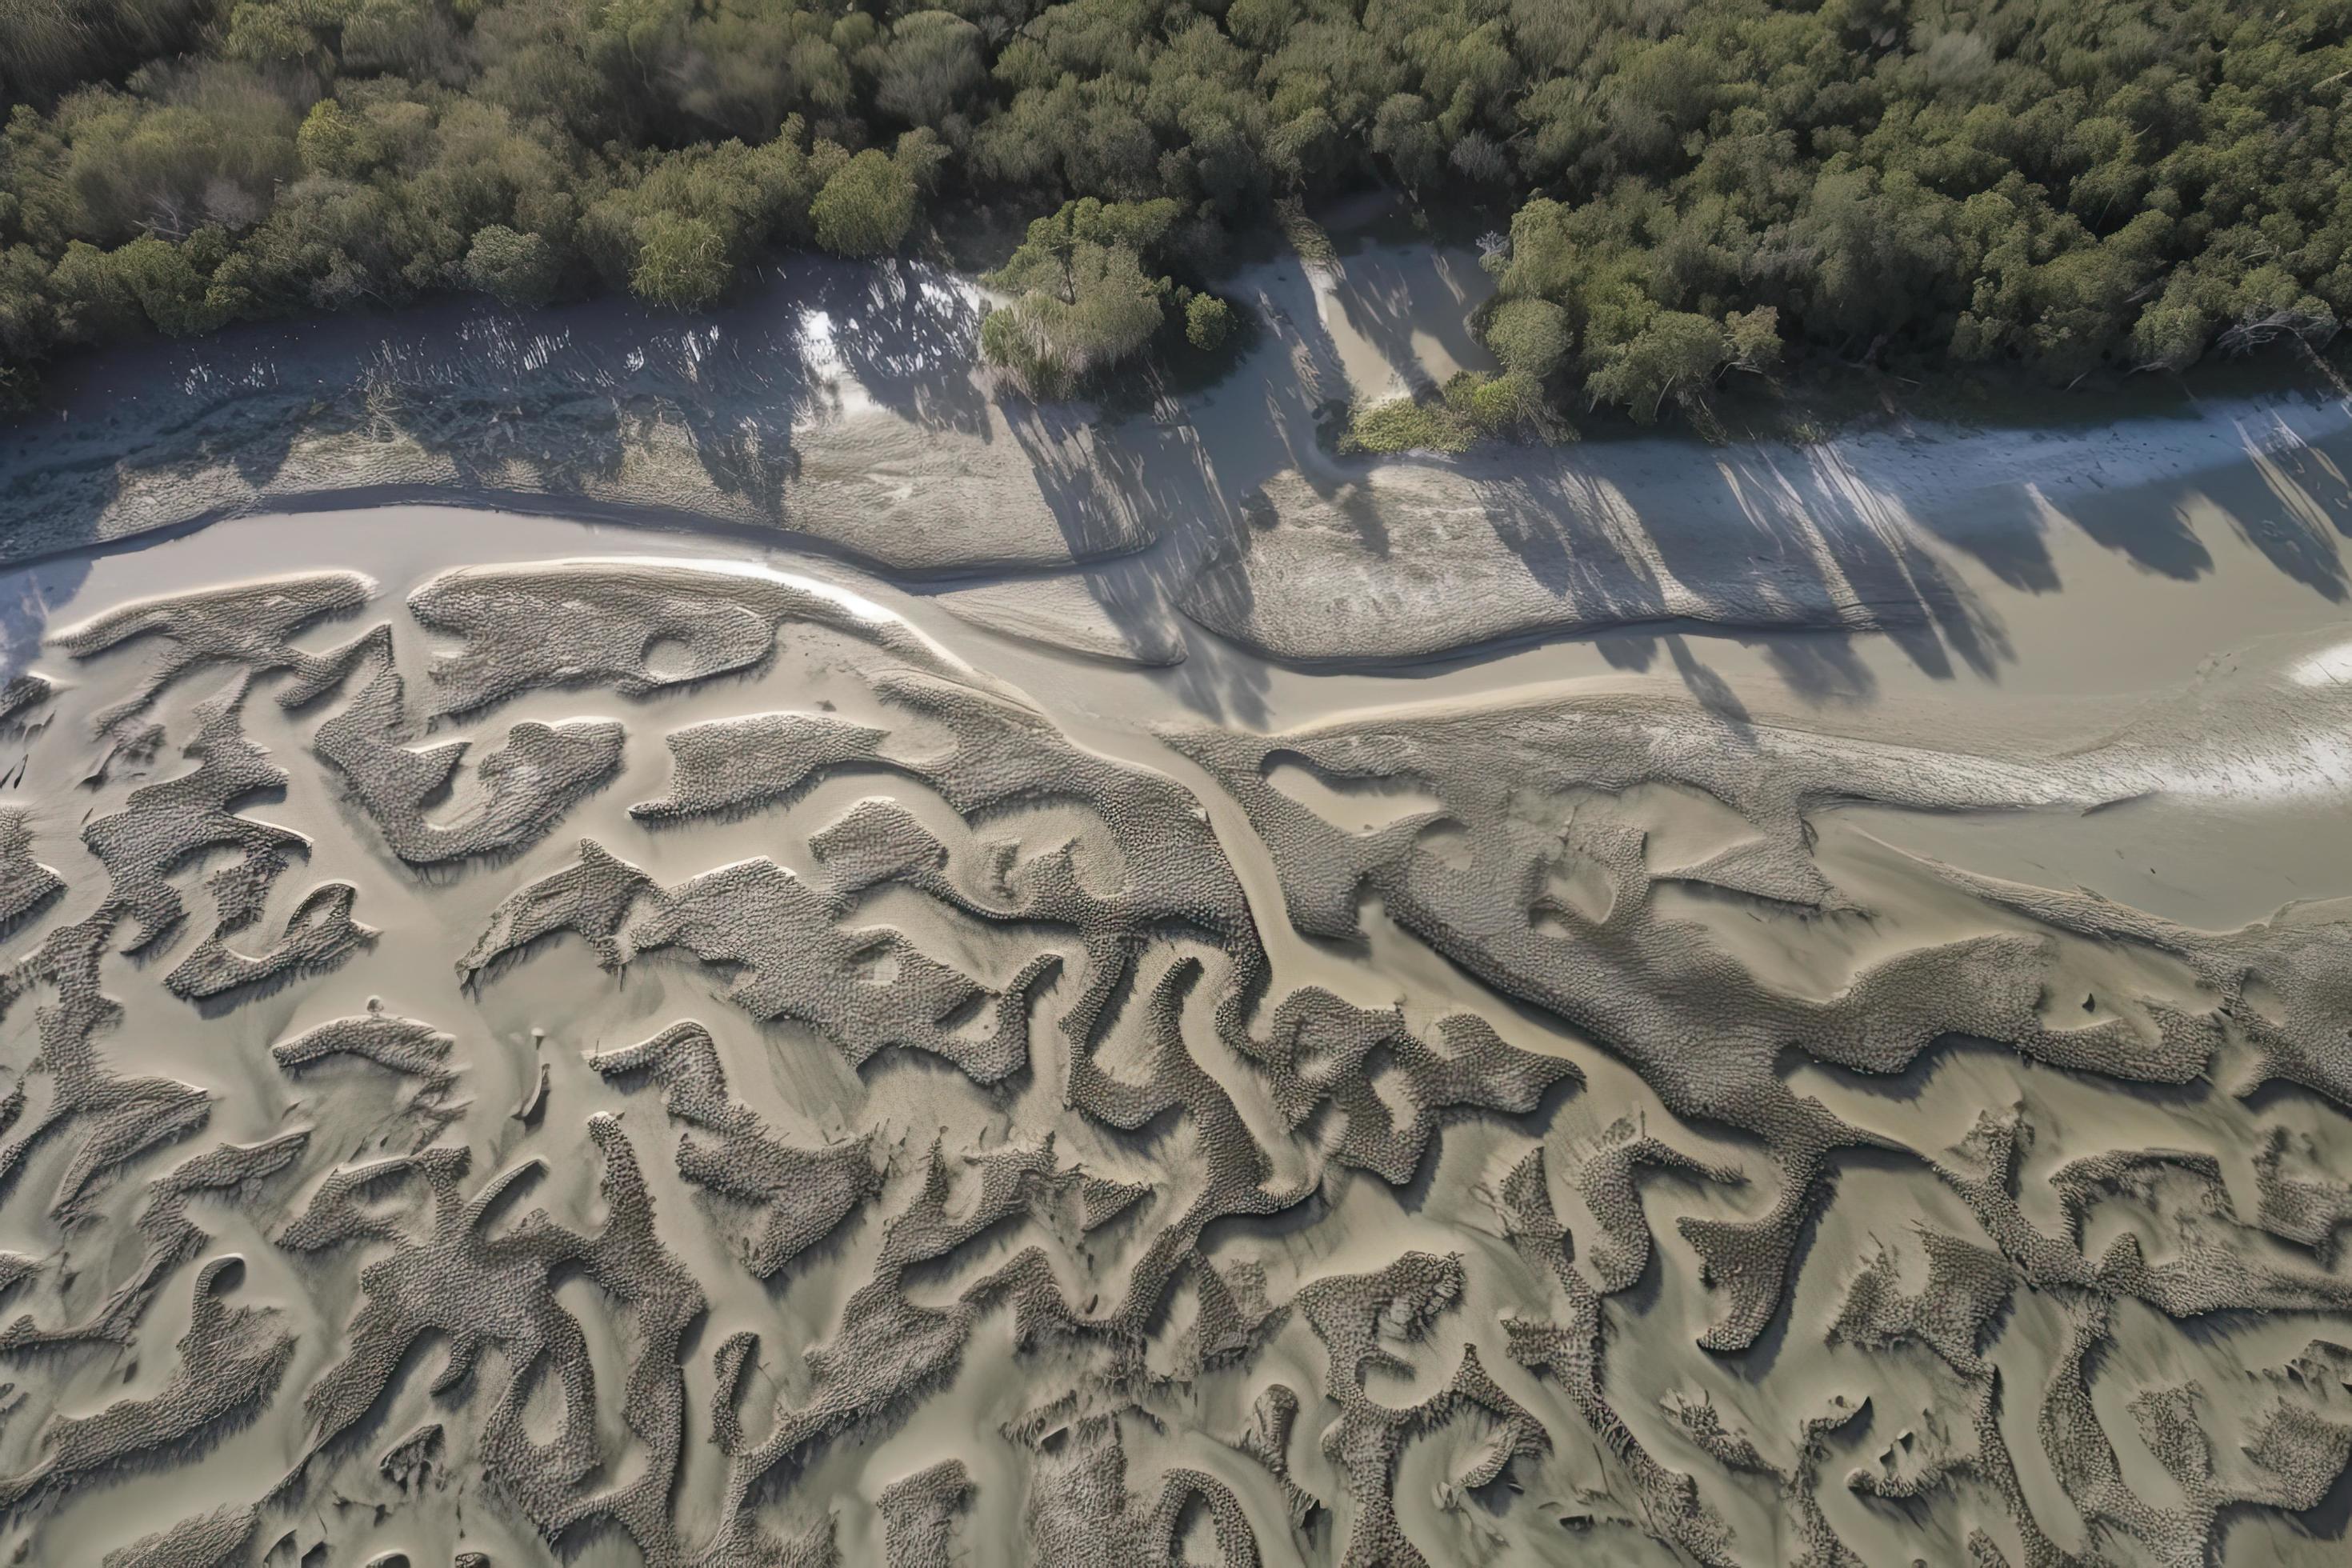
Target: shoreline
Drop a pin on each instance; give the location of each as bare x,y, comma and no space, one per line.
839,412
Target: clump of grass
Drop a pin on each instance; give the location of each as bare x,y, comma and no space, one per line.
1407,425
1472,408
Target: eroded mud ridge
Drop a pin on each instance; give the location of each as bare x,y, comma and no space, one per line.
613,1061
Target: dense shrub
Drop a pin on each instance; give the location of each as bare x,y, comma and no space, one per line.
2064,186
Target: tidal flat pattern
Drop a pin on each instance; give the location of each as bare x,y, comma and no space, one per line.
617,1062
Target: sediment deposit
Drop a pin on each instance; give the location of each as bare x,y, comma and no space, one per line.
685,1060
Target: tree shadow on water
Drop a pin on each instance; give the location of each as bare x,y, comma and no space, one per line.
2289,501
906,332
1154,480
1751,540
2270,474
1392,295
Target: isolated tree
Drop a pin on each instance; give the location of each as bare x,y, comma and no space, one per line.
1208,322
1081,296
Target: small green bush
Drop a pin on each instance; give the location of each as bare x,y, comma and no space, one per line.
513,269
681,263
1208,322
866,208
1408,425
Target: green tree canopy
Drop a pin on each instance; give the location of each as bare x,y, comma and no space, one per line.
2102,186
1082,300
1529,336
1208,322
681,262
867,207
1675,353
514,268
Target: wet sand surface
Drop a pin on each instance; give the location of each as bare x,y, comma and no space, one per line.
541,1039
1639,1004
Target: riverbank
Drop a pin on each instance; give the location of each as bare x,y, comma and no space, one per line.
842,410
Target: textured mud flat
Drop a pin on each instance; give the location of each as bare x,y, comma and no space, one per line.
675,1061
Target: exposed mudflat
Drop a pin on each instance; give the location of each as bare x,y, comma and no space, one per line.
972,1002
840,409
528,1048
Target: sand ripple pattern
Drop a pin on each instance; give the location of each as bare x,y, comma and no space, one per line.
612,1062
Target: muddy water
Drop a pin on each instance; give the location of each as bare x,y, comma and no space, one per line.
2203,708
